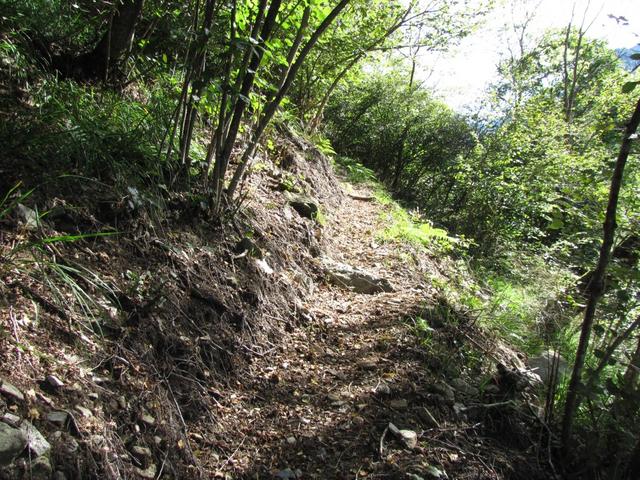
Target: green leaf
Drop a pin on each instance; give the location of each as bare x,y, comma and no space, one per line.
164,58
635,56
629,86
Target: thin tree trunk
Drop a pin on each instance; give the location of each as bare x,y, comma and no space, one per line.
113,44
596,285
222,159
271,107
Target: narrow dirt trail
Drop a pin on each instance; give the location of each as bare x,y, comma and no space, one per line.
318,407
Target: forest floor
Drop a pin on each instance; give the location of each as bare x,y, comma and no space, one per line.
213,363
320,407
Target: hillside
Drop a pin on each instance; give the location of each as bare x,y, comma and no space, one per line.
221,352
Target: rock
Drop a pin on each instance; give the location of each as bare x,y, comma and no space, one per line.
383,389
12,443
305,206
287,474
291,440
36,442
54,382
446,391
40,468
11,392
27,217
354,279
543,365
368,363
84,411
148,420
264,266
399,404
408,437
149,472
11,419
142,454
58,418
463,387
433,472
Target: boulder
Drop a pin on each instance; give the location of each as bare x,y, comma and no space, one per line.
37,444
355,279
12,443
543,366
305,206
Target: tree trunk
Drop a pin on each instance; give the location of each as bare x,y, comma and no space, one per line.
272,106
115,42
596,285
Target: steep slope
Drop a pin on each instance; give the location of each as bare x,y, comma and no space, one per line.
224,351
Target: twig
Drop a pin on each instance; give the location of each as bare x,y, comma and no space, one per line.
384,434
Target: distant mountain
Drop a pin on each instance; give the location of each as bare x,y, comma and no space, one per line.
625,57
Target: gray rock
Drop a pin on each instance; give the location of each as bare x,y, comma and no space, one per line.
36,442
11,419
53,382
149,472
446,391
354,279
408,437
148,420
84,411
399,404
58,418
433,472
463,387
27,217
12,443
10,391
305,206
287,474
543,366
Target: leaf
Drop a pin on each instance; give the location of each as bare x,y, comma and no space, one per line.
629,86
635,56
164,58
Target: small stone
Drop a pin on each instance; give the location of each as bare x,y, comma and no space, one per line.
148,420
368,364
12,443
446,391
291,440
84,411
286,474
436,473
408,437
94,396
27,216
157,440
149,472
35,440
399,404
383,389
122,402
11,392
141,452
463,387
58,418
54,382
11,419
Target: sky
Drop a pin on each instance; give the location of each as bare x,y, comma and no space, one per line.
461,75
